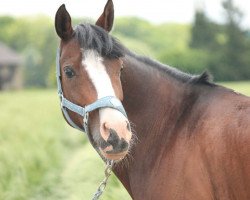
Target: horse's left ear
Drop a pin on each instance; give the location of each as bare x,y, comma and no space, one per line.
107,18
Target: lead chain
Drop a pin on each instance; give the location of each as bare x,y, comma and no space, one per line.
103,184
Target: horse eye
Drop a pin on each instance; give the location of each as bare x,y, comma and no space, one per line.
121,70
69,72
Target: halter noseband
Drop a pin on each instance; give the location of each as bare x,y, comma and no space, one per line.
105,102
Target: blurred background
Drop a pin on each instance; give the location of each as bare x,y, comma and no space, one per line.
41,157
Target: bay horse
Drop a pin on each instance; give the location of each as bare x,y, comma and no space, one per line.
193,136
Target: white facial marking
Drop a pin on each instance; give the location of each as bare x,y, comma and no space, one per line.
97,73
96,70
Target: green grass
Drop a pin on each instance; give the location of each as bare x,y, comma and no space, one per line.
242,87
41,157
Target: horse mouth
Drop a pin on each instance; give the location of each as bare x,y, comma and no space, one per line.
114,148
110,155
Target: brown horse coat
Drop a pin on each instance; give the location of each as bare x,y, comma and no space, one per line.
193,138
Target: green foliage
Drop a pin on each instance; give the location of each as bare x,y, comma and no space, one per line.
227,45
189,60
159,38
135,45
203,32
133,27
222,49
241,86
32,59
42,157
36,40
238,44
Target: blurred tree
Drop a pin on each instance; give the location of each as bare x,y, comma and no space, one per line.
237,43
223,49
34,38
159,38
133,27
5,22
193,61
227,45
203,32
32,61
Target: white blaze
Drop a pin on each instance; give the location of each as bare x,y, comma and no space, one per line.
97,73
96,70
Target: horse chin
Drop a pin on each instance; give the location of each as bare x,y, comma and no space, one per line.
113,156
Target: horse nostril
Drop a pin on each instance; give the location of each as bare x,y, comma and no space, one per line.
117,143
113,138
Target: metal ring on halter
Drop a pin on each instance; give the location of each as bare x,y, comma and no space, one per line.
85,120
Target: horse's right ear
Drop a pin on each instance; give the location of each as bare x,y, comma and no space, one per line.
63,23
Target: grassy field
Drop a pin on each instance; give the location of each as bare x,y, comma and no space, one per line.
43,158
242,87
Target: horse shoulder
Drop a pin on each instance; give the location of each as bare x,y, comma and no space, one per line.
224,145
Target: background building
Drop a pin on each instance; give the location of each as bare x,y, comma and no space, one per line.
10,69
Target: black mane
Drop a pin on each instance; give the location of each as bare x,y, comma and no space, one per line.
204,78
93,37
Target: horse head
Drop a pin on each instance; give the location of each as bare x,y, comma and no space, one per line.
90,66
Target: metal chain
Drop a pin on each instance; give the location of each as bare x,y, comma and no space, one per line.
108,169
103,184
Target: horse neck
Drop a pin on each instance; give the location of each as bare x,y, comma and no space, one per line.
150,95
152,100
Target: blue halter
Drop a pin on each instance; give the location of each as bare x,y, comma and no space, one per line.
105,102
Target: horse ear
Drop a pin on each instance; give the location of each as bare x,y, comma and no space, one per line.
107,18
63,23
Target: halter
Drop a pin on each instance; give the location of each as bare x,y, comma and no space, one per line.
105,102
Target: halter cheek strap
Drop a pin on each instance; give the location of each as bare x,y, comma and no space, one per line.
105,102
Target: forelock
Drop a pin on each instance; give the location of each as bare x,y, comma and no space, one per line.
91,37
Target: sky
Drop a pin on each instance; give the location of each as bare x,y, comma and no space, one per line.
156,11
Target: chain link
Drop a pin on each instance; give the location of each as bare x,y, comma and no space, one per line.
108,169
102,186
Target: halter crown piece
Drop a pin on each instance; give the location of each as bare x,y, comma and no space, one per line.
105,102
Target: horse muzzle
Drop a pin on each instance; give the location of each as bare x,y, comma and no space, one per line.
115,135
